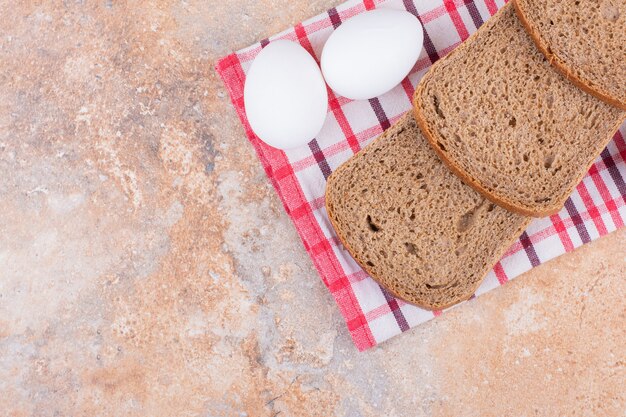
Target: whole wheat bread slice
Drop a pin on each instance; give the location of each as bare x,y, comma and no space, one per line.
584,39
509,124
412,224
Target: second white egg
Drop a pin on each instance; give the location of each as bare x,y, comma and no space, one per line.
371,53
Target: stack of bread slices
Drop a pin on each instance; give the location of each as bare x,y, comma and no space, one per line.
503,129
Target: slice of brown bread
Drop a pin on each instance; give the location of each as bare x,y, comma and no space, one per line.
584,39
412,224
508,123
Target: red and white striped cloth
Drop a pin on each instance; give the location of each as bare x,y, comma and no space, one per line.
596,208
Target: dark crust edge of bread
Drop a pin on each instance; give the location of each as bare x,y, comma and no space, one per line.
468,179
418,303
560,64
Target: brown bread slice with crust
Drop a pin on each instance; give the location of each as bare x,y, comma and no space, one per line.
508,123
412,224
584,39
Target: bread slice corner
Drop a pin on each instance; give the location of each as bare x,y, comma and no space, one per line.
584,40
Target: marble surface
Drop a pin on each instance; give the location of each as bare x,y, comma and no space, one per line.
147,267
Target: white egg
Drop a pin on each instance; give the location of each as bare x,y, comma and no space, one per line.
371,53
285,95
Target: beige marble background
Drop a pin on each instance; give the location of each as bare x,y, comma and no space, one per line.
147,267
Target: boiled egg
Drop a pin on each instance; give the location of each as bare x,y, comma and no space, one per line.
371,53
285,96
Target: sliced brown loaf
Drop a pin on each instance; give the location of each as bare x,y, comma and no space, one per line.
412,224
509,124
584,39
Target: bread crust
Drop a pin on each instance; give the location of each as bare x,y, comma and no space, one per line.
559,64
419,303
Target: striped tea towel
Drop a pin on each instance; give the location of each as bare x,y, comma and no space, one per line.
596,208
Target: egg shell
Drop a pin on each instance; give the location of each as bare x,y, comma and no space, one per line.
285,96
371,53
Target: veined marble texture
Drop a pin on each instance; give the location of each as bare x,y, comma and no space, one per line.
147,267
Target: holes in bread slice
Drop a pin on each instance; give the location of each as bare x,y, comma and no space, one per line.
437,107
435,286
410,248
465,222
373,226
443,285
